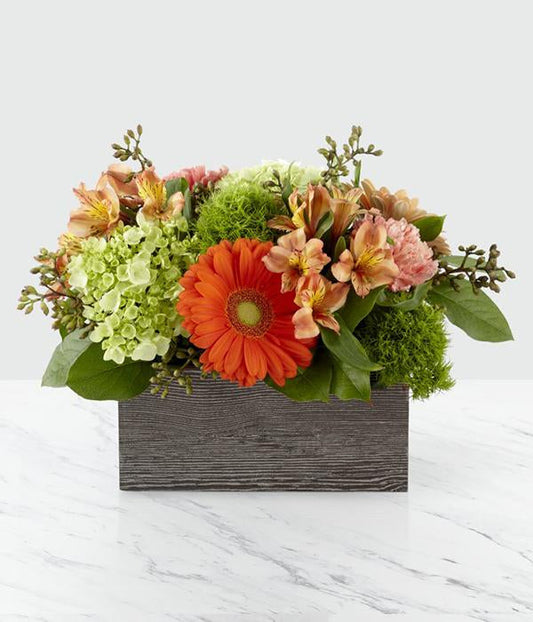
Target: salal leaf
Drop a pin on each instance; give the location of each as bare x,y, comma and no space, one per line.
476,314
350,383
347,348
457,260
429,227
287,191
95,379
187,208
176,185
357,308
340,247
324,225
311,384
64,356
418,295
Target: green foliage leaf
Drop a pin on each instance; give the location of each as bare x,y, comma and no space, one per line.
287,191
476,314
429,227
418,295
457,260
469,262
350,383
187,208
181,185
324,225
176,185
357,308
95,379
346,348
64,356
340,247
311,384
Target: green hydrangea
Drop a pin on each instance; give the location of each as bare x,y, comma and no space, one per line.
300,175
129,285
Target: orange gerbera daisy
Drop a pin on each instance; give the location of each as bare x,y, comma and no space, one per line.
234,309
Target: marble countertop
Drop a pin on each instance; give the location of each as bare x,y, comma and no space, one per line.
458,546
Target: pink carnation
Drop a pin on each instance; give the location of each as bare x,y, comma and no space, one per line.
198,175
413,257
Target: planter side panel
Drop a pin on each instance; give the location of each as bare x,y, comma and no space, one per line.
227,438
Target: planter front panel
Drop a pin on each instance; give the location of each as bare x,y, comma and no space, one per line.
228,438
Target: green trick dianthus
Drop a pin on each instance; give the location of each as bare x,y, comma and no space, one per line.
411,346
236,211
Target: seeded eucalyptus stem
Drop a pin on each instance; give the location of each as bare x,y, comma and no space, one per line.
480,270
131,148
337,163
54,297
172,367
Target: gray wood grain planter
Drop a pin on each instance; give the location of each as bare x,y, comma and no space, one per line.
227,438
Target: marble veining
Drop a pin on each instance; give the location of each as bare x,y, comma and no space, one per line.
458,546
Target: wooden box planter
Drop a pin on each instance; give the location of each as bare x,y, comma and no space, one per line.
228,438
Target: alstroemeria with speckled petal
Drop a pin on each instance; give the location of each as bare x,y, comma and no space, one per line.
69,245
318,299
294,257
153,192
98,213
368,263
345,208
122,179
307,211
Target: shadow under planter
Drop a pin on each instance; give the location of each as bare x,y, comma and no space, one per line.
229,438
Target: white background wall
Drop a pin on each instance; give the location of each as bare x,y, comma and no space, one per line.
443,87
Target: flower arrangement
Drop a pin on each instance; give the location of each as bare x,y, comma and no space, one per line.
312,280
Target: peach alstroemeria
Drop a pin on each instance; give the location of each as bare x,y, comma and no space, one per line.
395,205
318,299
295,257
345,208
307,211
440,246
368,263
399,205
152,191
98,213
121,178
69,245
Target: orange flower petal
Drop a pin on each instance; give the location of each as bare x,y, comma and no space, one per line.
220,348
222,263
234,356
207,341
254,359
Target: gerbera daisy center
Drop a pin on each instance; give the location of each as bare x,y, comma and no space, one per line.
249,312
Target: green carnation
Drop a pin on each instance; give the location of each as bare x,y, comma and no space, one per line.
129,285
411,346
239,210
